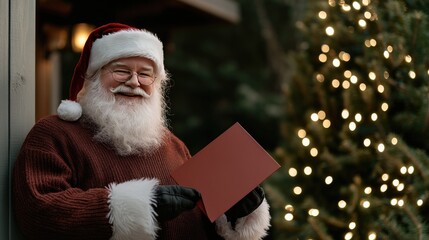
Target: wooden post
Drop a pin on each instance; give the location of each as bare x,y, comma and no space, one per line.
17,95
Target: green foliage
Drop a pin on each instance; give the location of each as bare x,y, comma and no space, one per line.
360,100
220,76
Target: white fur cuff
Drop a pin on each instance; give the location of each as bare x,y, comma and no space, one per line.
131,212
69,110
251,227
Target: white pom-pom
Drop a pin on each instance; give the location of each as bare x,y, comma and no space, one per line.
69,110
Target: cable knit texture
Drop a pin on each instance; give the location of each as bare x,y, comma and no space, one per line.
61,178
66,185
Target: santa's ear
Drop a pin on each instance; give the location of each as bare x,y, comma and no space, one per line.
69,110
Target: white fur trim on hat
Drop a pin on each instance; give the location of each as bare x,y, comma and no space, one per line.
131,212
69,110
127,43
251,227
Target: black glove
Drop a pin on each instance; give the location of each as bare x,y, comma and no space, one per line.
246,205
172,200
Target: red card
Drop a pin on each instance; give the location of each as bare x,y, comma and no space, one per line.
226,170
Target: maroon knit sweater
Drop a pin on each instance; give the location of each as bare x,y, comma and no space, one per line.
60,183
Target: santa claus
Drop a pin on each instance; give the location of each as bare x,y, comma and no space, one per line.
100,169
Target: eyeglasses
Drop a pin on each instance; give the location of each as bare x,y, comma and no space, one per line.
123,75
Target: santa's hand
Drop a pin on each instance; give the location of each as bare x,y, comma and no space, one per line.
172,200
246,205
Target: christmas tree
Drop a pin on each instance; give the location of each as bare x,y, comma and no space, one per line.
355,130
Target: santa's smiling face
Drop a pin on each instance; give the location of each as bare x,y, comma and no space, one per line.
126,103
136,73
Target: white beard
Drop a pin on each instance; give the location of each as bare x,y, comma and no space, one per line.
131,127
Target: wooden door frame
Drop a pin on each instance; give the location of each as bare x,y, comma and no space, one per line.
17,95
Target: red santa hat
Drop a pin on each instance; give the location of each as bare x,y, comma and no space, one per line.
105,44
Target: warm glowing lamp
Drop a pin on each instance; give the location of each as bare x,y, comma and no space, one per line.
81,32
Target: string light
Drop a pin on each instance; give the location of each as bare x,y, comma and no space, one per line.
345,114
323,15
365,204
371,42
335,83
400,187
383,188
314,117
362,23
342,204
386,75
384,106
412,74
393,201
386,54
308,170
410,170
372,235
297,190
314,152
380,88
326,123
401,202
336,62
352,126
395,182
356,5
408,58
346,7
302,133
368,190
403,170
347,73
352,225
323,58
385,177
348,236
419,202
344,56
346,84
353,79
288,217
367,15
293,172
289,208
366,2
362,87
329,31
358,117
380,147
321,114
313,212
366,142
329,180
374,117
325,48
320,77
372,75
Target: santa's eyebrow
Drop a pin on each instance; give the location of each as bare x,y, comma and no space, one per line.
120,64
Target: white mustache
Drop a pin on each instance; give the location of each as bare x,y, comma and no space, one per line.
129,91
